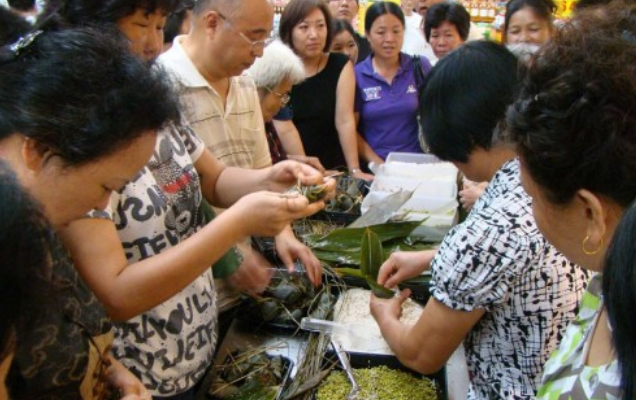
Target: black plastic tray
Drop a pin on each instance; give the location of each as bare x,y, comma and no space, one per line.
366,360
341,217
287,367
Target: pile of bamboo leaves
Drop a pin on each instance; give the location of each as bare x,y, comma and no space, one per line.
342,247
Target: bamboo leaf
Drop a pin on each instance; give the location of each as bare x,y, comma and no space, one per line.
351,238
419,280
380,290
352,256
339,257
371,257
365,253
351,272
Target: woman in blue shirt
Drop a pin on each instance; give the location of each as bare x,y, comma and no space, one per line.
386,93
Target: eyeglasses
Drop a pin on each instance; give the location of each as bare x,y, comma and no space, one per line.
283,97
255,44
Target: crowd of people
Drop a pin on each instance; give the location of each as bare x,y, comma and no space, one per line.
143,142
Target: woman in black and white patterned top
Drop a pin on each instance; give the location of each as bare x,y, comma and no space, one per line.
497,284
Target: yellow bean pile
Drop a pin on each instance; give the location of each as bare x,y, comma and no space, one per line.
378,383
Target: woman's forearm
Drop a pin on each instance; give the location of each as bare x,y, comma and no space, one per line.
289,137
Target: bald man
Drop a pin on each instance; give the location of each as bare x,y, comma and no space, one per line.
223,108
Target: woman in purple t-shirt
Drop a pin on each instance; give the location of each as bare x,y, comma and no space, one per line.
386,89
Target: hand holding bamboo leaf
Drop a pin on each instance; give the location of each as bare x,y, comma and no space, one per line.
371,258
286,174
403,265
388,309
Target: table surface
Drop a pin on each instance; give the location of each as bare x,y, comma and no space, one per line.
291,344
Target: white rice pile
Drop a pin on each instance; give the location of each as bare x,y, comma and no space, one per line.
352,308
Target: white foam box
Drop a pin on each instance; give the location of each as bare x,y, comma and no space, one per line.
440,213
418,166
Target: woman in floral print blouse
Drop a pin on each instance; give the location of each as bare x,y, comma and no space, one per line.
497,285
575,127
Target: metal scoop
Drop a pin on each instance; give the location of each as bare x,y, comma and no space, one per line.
326,327
329,328
344,360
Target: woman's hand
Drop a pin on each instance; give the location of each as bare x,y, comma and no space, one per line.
267,213
130,388
312,161
287,173
471,193
403,265
254,273
362,175
388,309
290,249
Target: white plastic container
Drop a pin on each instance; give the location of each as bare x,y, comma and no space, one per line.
440,213
434,186
433,172
418,166
430,188
416,158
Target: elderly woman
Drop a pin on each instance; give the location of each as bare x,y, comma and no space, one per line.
274,75
497,285
446,27
574,128
529,22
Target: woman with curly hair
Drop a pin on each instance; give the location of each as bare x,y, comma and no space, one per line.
574,127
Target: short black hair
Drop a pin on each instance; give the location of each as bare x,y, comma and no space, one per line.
619,285
543,9
451,12
12,26
71,13
341,25
81,95
295,11
21,5
25,244
380,8
174,21
465,96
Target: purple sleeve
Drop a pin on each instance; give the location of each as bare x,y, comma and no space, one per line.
426,65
